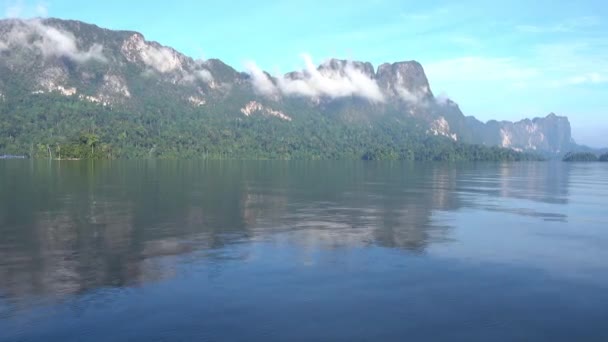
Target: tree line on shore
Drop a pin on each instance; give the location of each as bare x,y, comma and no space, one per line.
585,157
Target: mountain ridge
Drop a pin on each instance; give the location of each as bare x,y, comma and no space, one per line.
120,69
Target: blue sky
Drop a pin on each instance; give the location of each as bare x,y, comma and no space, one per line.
506,60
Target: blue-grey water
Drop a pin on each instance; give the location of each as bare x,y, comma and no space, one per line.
303,251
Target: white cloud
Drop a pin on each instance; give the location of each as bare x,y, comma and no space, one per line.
590,78
41,10
555,66
164,60
201,75
51,41
464,41
260,80
60,43
570,25
202,72
408,96
204,75
429,15
575,63
479,69
21,9
160,58
13,11
298,87
346,82
443,99
583,55
156,57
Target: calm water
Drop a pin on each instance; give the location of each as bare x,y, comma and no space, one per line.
303,251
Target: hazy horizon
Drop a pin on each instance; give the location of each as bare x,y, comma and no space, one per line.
504,62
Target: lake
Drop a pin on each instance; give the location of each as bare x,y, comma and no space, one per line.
303,251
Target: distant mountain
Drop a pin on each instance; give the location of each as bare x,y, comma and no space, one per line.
549,134
59,78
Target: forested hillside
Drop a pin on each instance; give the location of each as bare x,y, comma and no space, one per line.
59,127
73,90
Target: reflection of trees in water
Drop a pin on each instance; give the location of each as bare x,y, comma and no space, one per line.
105,224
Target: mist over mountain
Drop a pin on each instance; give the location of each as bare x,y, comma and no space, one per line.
60,78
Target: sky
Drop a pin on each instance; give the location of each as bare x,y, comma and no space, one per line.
498,60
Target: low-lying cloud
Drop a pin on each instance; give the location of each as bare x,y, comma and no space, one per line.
444,100
50,41
204,75
415,98
261,82
163,60
314,83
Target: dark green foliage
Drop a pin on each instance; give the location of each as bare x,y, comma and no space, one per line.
580,157
87,146
604,157
55,126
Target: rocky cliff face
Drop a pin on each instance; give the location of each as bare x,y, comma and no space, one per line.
549,134
101,66
552,133
404,80
122,69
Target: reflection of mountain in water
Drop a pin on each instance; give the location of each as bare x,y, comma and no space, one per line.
383,204
521,182
70,227
540,182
